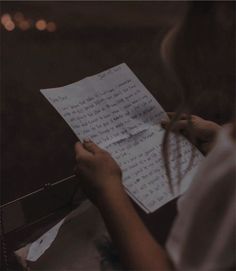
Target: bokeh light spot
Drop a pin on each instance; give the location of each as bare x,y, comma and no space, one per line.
9,25
41,25
5,18
24,25
18,17
51,27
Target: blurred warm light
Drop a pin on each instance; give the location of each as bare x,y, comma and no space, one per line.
19,20
41,25
24,25
18,17
51,27
9,25
5,18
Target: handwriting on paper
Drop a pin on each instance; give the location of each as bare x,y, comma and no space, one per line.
117,112
109,112
144,173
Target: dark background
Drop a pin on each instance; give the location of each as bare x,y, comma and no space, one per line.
36,144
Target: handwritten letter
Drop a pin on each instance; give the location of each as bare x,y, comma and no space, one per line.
117,112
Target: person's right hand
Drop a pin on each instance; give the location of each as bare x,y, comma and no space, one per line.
98,171
201,132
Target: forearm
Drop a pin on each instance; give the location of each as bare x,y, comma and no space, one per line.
138,250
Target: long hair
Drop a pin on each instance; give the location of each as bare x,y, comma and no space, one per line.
192,53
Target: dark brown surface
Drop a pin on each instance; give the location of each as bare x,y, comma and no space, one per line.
36,144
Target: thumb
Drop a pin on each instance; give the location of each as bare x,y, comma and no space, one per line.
80,152
90,146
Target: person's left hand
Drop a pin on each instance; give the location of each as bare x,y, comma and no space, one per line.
97,170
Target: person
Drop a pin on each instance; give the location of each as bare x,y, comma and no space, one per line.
202,236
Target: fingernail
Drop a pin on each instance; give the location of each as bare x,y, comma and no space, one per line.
163,123
87,140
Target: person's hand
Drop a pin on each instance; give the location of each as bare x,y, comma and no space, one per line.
97,170
199,131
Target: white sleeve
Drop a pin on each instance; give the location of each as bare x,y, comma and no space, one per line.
203,235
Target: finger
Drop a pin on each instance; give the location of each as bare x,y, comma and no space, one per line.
180,125
183,116
81,153
171,114
165,123
90,146
77,169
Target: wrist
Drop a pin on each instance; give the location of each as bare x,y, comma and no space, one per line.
111,193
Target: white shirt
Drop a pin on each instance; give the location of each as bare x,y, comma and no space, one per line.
203,236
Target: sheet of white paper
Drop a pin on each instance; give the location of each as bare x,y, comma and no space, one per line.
144,174
82,243
38,247
107,107
117,112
